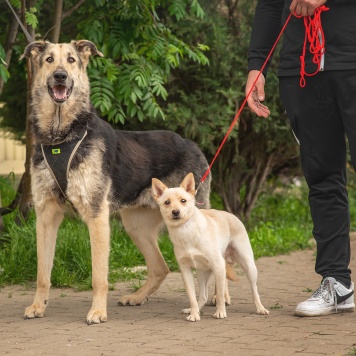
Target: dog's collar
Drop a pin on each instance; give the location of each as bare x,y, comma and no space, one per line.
58,158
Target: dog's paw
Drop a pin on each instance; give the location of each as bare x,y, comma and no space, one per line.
96,317
220,314
186,311
193,317
34,311
132,299
227,300
262,311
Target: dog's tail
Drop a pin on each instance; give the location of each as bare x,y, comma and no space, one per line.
230,273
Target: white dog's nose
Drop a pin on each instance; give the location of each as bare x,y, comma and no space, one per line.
175,213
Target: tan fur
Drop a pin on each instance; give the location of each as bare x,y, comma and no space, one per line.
206,240
230,273
44,104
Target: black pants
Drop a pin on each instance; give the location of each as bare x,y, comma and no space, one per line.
321,114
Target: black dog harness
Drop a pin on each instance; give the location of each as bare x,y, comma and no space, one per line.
58,158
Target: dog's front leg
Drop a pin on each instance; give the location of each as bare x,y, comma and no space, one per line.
189,286
99,230
220,280
49,216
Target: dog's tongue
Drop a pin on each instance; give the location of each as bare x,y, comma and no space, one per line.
59,92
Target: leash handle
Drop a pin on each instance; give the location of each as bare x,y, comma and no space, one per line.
245,101
314,34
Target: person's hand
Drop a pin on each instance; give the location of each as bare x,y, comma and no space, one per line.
305,7
257,94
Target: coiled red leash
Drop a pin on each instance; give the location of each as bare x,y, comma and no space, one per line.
315,35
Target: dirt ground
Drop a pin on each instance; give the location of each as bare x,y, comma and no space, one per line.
158,328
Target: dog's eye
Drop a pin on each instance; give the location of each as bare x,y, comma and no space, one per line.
167,202
49,59
183,201
71,60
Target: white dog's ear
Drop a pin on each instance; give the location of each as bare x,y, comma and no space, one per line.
157,188
188,184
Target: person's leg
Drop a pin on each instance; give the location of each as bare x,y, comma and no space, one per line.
317,124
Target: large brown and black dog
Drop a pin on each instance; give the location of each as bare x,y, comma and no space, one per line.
79,158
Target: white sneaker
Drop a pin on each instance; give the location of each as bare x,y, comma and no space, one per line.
330,297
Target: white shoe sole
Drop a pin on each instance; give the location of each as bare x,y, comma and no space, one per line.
332,310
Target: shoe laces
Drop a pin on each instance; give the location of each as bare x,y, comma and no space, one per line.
327,292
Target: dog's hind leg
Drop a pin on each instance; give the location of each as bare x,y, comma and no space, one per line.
227,295
143,225
203,279
49,217
244,256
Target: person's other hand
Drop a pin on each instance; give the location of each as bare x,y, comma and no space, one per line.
257,94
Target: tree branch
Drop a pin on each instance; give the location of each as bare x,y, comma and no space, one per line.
57,21
66,14
72,9
9,43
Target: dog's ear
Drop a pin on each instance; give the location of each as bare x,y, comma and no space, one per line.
188,184
86,49
157,188
34,48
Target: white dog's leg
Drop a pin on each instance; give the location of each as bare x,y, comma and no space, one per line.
220,283
49,217
243,249
203,279
189,286
227,295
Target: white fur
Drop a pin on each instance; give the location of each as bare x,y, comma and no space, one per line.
205,240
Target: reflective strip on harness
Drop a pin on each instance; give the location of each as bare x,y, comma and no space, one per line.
58,159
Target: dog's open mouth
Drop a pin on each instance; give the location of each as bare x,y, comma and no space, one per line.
60,93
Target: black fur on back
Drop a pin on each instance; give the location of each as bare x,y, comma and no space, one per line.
132,158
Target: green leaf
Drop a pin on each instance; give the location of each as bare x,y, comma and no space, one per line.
31,19
4,73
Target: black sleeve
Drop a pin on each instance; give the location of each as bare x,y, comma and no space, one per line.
266,28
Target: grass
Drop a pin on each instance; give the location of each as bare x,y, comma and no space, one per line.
280,223
352,352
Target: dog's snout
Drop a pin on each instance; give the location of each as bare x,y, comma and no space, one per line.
175,213
60,76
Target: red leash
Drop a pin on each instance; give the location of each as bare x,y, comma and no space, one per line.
315,35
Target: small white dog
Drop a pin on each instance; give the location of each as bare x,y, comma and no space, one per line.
207,240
